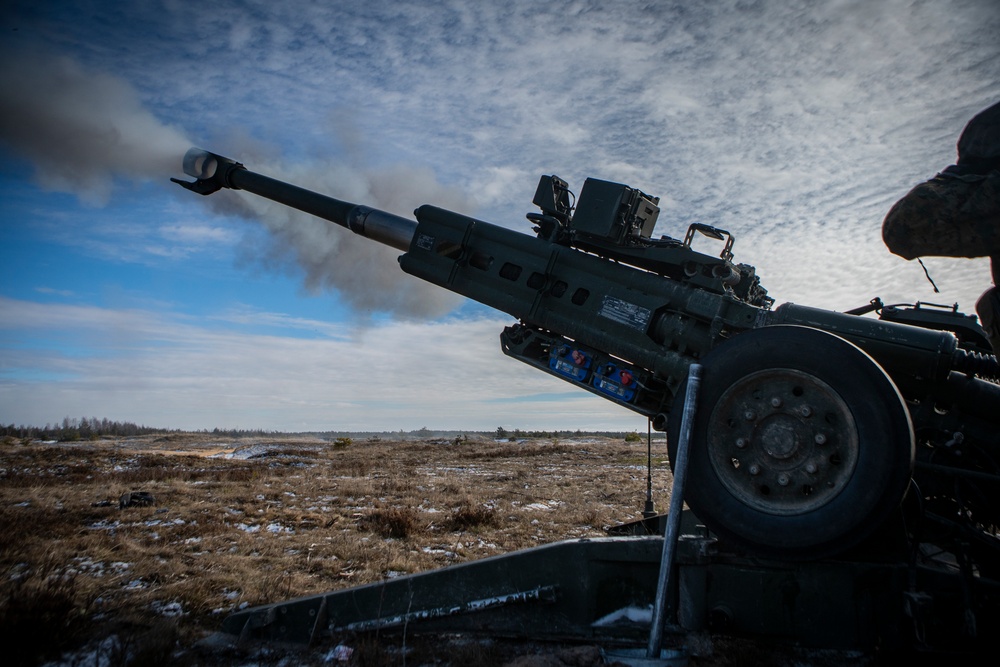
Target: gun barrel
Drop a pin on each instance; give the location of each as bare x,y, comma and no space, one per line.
214,172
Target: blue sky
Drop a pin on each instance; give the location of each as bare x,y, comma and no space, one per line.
793,124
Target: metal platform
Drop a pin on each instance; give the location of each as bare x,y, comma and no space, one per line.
602,590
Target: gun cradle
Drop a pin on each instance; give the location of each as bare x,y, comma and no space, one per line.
616,314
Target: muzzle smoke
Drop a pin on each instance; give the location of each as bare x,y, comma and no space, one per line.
83,130
364,272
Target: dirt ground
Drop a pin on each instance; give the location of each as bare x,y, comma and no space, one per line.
92,575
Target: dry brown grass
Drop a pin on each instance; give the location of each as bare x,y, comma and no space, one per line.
303,518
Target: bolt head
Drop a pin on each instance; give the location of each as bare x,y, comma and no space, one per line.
820,439
806,411
754,469
776,402
811,468
750,415
741,443
783,479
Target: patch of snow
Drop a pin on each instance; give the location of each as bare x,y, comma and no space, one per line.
85,565
437,551
251,452
168,609
640,615
339,653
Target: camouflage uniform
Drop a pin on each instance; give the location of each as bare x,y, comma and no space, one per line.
957,213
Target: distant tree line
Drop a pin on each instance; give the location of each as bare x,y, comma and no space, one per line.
241,432
92,428
78,429
518,434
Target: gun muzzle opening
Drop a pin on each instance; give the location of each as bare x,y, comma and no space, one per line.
200,164
211,172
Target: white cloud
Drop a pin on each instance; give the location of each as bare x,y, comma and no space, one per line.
53,291
169,370
198,234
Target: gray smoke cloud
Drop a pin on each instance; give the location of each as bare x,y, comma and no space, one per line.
83,130
364,272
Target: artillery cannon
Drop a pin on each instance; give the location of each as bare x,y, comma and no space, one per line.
816,428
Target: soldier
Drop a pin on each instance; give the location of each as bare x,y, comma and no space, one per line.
957,213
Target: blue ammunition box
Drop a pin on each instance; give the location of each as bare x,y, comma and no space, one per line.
618,383
570,362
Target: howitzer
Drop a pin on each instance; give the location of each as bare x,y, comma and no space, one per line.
814,423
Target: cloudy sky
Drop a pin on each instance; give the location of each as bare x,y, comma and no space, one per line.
793,124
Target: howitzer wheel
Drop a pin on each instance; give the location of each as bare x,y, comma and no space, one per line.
801,446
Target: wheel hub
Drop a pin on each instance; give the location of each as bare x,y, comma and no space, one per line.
783,441
779,437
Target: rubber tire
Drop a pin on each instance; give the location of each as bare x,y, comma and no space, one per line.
885,453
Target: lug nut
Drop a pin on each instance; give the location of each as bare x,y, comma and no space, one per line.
754,469
806,411
820,439
811,468
741,443
750,415
776,402
783,479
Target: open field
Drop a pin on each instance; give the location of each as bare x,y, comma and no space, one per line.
238,523
244,522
